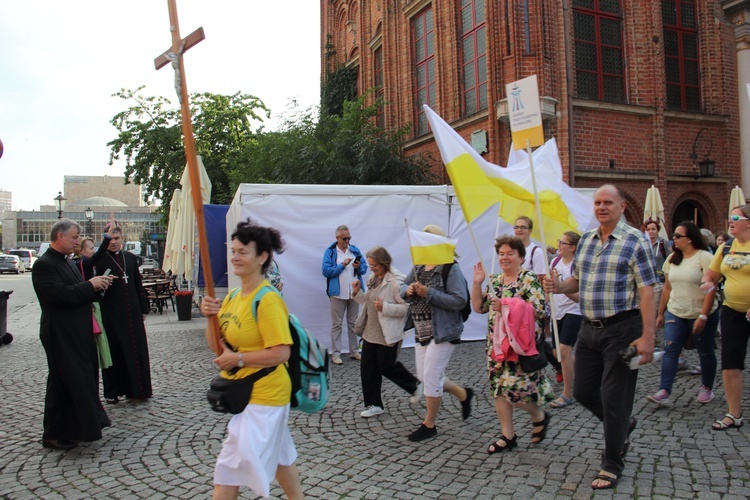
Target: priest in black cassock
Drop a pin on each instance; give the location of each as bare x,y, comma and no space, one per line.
72,409
124,307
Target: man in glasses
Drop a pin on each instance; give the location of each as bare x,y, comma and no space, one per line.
342,264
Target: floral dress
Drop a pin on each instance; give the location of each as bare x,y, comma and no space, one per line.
506,378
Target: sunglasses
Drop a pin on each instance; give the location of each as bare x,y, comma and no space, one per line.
346,238
737,218
676,236
520,227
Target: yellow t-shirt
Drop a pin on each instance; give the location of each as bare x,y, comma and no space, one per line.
240,329
736,271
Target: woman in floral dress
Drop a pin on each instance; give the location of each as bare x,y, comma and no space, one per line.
510,386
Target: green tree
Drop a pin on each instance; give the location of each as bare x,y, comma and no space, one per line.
347,149
150,139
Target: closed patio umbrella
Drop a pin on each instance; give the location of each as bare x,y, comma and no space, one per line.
170,255
654,209
185,242
736,198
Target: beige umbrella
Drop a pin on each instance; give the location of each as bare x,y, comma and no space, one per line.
736,198
654,210
170,256
184,242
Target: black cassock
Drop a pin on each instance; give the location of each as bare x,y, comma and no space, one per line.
123,306
72,408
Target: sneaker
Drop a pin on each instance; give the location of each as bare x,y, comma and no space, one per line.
705,395
336,359
682,364
417,395
372,411
696,371
660,398
355,355
423,432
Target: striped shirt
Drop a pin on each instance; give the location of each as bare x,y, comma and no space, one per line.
610,272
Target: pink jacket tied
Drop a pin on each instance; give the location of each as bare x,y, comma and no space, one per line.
514,331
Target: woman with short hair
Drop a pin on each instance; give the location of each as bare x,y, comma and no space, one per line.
733,263
512,387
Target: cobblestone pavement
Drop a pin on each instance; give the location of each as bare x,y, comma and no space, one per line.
166,447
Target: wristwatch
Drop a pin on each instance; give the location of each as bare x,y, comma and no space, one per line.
703,317
240,363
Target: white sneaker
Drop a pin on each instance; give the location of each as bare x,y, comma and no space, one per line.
660,398
417,395
336,359
372,411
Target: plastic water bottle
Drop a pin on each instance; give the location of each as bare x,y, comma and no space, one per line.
635,361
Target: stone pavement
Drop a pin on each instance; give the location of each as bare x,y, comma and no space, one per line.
166,447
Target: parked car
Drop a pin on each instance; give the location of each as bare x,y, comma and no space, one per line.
11,264
27,256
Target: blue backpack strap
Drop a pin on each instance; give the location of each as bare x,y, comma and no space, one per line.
258,296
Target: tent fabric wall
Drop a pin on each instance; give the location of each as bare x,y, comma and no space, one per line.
216,230
307,217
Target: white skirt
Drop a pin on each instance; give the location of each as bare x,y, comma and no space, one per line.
258,441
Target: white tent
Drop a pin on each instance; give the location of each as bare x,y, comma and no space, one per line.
307,217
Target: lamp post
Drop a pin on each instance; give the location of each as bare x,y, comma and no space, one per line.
60,204
90,217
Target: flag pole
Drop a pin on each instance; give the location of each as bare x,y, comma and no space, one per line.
550,297
408,238
497,230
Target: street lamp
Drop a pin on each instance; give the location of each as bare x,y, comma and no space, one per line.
60,204
89,217
706,165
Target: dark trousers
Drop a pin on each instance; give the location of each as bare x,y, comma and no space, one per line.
379,361
605,385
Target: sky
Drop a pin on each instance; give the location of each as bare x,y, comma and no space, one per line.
60,63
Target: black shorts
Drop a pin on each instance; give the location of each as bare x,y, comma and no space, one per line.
735,332
567,329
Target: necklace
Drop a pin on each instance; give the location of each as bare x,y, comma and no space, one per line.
122,269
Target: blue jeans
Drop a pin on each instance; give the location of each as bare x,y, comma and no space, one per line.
676,329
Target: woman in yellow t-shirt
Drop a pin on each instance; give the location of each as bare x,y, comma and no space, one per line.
259,445
684,310
735,310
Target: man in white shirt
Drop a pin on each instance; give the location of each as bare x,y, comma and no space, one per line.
342,263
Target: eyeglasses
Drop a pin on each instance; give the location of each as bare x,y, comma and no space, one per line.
676,236
345,238
560,242
520,227
737,218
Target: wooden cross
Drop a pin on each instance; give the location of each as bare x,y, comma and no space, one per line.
174,55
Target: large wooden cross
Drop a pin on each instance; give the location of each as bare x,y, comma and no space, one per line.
174,55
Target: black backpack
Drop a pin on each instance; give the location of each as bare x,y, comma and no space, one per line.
466,311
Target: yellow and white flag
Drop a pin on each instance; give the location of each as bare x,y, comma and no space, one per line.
431,249
480,184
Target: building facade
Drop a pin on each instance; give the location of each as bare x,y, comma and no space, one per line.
105,197
635,92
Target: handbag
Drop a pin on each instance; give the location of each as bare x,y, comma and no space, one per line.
232,396
537,361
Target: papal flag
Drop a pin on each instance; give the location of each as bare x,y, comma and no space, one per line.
480,184
431,249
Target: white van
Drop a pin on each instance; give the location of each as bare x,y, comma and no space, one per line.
42,248
28,257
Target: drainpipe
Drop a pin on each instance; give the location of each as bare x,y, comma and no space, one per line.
569,83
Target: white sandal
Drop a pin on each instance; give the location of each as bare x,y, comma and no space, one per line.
720,425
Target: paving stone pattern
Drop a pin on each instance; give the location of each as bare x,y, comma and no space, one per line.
166,447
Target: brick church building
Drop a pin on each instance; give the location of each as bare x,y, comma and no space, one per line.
630,89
